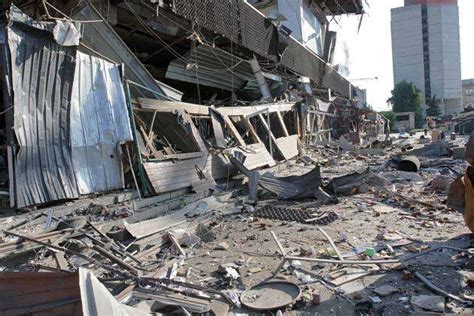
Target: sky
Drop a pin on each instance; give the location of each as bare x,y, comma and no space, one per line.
368,52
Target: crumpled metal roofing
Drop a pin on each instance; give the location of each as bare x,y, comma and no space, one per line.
102,38
213,67
257,34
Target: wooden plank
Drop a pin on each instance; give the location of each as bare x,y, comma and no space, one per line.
283,126
168,176
258,159
252,131
167,169
269,131
149,143
182,156
322,113
261,111
169,106
298,125
288,146
233,131
217,128
246,110
312,119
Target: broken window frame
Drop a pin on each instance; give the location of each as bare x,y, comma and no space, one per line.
166,156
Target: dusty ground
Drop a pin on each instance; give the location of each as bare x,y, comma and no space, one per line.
252,248
242,240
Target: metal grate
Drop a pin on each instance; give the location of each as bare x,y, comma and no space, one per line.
240,23
296,215
218,16
258,34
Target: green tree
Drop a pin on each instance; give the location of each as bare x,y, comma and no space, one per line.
407,98
433,107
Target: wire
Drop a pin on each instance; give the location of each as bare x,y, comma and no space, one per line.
153,33
5,111
46,4
182,58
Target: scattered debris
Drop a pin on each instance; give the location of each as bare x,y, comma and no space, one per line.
154,204
385,290
429,302
271,295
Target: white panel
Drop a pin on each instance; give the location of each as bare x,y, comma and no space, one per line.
99,121
291,10
311,30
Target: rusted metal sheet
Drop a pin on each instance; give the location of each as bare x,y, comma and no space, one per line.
39,293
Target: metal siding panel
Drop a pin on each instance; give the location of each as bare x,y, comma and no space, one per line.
102,38
98,124
42,75
214,68
69,116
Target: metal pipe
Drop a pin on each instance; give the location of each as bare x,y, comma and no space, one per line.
133,173
148,89
135,139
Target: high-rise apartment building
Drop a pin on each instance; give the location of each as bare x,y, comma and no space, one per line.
426,50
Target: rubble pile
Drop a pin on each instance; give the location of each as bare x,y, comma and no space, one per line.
191,157
388,242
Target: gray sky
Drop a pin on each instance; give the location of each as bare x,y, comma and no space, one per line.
370,51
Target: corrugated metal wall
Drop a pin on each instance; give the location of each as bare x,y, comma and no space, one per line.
70,116
42,74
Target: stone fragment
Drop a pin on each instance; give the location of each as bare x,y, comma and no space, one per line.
385,290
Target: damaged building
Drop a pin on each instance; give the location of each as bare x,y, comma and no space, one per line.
99,97
148,147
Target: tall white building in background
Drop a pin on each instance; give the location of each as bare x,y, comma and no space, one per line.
426,50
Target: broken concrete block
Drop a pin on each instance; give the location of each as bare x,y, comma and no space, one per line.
433,303
407,275
316,298
456,195
459,152
385,290
255,270
205,233
222,246
441,183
